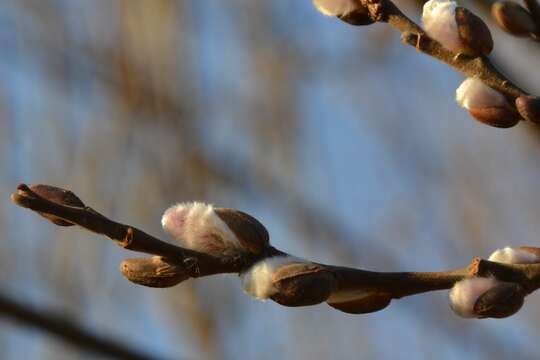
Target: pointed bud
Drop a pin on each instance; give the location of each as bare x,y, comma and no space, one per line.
485,104
350,11
456,28
359,302
465,293
215,231
513,18
503,300
155,272
519,255
529,108
58,196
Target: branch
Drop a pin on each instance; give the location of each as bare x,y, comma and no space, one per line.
460,39
414,35
66,330
293,282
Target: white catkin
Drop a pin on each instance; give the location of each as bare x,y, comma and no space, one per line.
196,226
466,292
257,281
439,19
474,94
513,256
335,7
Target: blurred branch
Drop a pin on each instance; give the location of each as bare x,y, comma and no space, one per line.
66,330
347,289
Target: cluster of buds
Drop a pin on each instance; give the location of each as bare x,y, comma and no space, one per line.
289,281
219,232
456,28
483,297
350,11
514,19
486,104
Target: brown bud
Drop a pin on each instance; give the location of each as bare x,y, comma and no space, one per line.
513,18
58,196
500,117
529,108
249,231
358,17
502,300
155,272
473,32
361,303
302,284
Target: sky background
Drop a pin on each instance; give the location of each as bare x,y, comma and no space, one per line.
347,145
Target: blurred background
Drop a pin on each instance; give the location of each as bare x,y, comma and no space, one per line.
347,145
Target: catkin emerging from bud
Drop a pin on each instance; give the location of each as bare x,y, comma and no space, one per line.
465,293
289,281
456,28
485,104
350,11
215,231
510,255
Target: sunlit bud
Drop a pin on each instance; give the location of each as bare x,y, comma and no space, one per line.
456,28
513,18
58,196
529,108
218,232
502,300
350,11
485,104
518,255
302,284
465,293
288,280
154,271
359,301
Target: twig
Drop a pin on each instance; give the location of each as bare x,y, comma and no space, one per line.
390,285
67,330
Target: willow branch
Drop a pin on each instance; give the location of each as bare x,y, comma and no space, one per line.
66,330
412,34
345,281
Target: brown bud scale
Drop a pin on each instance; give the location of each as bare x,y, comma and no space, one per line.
500,301
155,272
58,196
529,108
513,18
302,284
473,32
249,231
500,117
